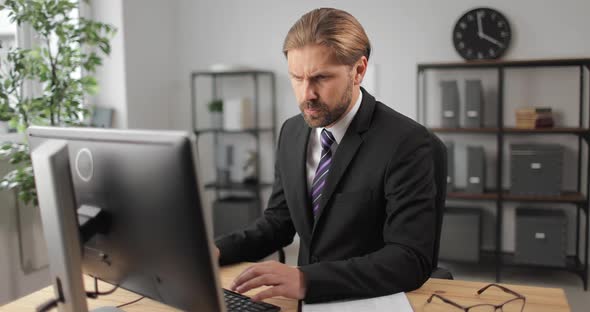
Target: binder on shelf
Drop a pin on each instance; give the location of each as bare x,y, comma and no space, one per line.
450,103
473,104
476,169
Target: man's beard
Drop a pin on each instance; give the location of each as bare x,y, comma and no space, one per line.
326,116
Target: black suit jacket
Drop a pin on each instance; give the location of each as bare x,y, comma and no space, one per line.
375,229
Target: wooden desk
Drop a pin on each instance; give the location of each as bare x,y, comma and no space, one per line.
538,299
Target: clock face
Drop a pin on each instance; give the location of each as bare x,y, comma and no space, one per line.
481,33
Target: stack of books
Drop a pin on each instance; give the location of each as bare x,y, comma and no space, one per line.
534,117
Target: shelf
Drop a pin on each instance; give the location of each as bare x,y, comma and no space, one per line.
572,264
236,186
458,194
562,130
506,63
247,131
504,133
488,258
465,130
565,197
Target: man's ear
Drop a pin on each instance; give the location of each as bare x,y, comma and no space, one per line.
360,69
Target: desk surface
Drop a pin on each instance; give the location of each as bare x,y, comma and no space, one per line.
538,299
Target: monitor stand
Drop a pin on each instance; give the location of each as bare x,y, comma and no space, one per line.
51,164
57,205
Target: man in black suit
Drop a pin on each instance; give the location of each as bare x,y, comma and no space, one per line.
353,178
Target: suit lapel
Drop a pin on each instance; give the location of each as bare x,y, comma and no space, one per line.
347,149
300,176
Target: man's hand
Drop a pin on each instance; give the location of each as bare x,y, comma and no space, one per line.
217,253
285,280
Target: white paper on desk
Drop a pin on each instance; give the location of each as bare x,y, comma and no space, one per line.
396,302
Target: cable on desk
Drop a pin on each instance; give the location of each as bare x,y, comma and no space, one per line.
131,302
48,305
53,303
97,293
105,293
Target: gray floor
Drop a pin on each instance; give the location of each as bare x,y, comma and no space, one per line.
578,299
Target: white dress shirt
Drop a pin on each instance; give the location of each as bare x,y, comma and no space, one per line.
314,147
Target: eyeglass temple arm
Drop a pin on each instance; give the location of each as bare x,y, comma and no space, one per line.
512,292
446,300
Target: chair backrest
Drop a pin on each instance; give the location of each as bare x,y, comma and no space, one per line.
439,155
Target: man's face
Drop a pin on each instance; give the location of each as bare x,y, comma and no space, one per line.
323,87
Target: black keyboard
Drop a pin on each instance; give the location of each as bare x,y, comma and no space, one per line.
235,302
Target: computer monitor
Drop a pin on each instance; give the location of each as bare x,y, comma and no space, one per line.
154,236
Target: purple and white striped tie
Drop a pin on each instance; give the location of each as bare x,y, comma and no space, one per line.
321,173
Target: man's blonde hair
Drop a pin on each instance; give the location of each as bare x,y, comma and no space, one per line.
334,28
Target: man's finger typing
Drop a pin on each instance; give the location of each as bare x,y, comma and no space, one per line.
284,280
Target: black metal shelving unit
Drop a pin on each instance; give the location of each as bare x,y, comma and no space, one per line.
216,77
575,198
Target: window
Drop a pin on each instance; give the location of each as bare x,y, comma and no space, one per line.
7,34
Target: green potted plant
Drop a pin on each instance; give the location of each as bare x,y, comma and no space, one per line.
69,51
216,113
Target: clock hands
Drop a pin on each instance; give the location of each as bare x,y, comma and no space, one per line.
492,40
482,35
479,26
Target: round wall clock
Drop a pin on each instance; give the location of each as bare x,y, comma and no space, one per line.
482,33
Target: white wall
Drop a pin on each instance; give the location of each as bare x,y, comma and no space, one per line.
137,78
403,33
150,60
165,40
112,74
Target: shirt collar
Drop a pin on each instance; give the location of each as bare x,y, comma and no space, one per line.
339,129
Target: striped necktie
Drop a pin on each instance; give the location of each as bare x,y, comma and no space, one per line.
321,173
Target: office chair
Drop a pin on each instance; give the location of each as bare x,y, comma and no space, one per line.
439,155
